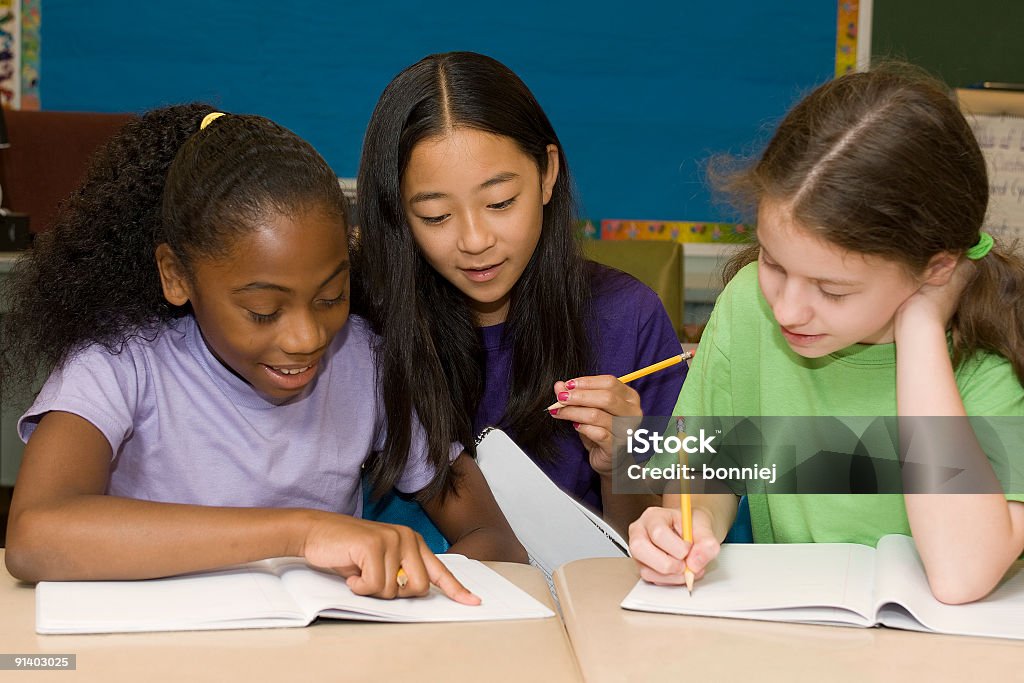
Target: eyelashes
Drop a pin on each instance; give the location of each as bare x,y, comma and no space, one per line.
264,318
497,206
779,269
267,318
501,206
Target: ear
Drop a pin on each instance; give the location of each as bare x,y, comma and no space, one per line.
940,268
547,183
175,284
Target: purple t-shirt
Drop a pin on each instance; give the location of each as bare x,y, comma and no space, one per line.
184,429
630,330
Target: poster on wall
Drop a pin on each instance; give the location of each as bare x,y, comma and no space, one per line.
997,118
31,15
10,53
1001,138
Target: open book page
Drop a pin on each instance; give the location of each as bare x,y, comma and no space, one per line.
817,583
324,593
271,593
247,596
904,600
553,527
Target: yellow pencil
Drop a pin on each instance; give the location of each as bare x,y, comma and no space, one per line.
643,372
687,513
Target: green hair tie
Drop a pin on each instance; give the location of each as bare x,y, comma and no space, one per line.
983,246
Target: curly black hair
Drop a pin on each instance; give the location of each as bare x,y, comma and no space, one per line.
93,278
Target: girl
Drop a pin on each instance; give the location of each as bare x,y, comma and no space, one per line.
874,292
467,235
210,405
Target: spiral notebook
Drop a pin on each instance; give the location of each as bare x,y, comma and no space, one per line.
552,526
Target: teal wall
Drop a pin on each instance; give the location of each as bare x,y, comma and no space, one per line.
640,93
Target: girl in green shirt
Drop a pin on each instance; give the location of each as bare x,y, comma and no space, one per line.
872,291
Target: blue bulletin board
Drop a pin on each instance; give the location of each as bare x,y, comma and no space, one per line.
641,94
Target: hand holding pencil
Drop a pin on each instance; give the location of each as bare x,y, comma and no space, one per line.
592,403
636,374
657,545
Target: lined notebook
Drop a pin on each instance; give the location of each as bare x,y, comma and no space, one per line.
274,593
552,526
842,584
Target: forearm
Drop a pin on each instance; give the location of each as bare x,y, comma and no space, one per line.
622,509
470,518
966,540
490,543
719,507
106,537
925,384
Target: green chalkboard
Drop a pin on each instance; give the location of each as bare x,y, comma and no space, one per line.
962,42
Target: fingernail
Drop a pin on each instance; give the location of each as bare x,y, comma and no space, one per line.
575,425
570,385
563,396
553,411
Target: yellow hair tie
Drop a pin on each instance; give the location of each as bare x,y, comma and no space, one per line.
210,118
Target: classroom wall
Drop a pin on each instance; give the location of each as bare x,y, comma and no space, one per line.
640,93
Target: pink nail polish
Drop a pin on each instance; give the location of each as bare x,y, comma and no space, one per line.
563,396
570,385
553,411
575,425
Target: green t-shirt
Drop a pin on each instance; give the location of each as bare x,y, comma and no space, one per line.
746,368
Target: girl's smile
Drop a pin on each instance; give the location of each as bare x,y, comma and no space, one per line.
483,273
289,379
797,339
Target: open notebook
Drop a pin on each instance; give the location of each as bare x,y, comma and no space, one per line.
552,526
280,592
839,584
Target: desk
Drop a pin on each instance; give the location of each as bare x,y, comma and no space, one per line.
613,644
329,650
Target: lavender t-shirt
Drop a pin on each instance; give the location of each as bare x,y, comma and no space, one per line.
184,429
628,330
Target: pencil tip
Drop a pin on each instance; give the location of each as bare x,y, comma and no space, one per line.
688,576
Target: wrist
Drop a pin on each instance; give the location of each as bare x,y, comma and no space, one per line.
707,512
916,327
299,525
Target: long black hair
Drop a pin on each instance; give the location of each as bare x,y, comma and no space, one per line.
431,355
93,278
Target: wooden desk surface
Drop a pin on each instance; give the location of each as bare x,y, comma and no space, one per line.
613,644
328,650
